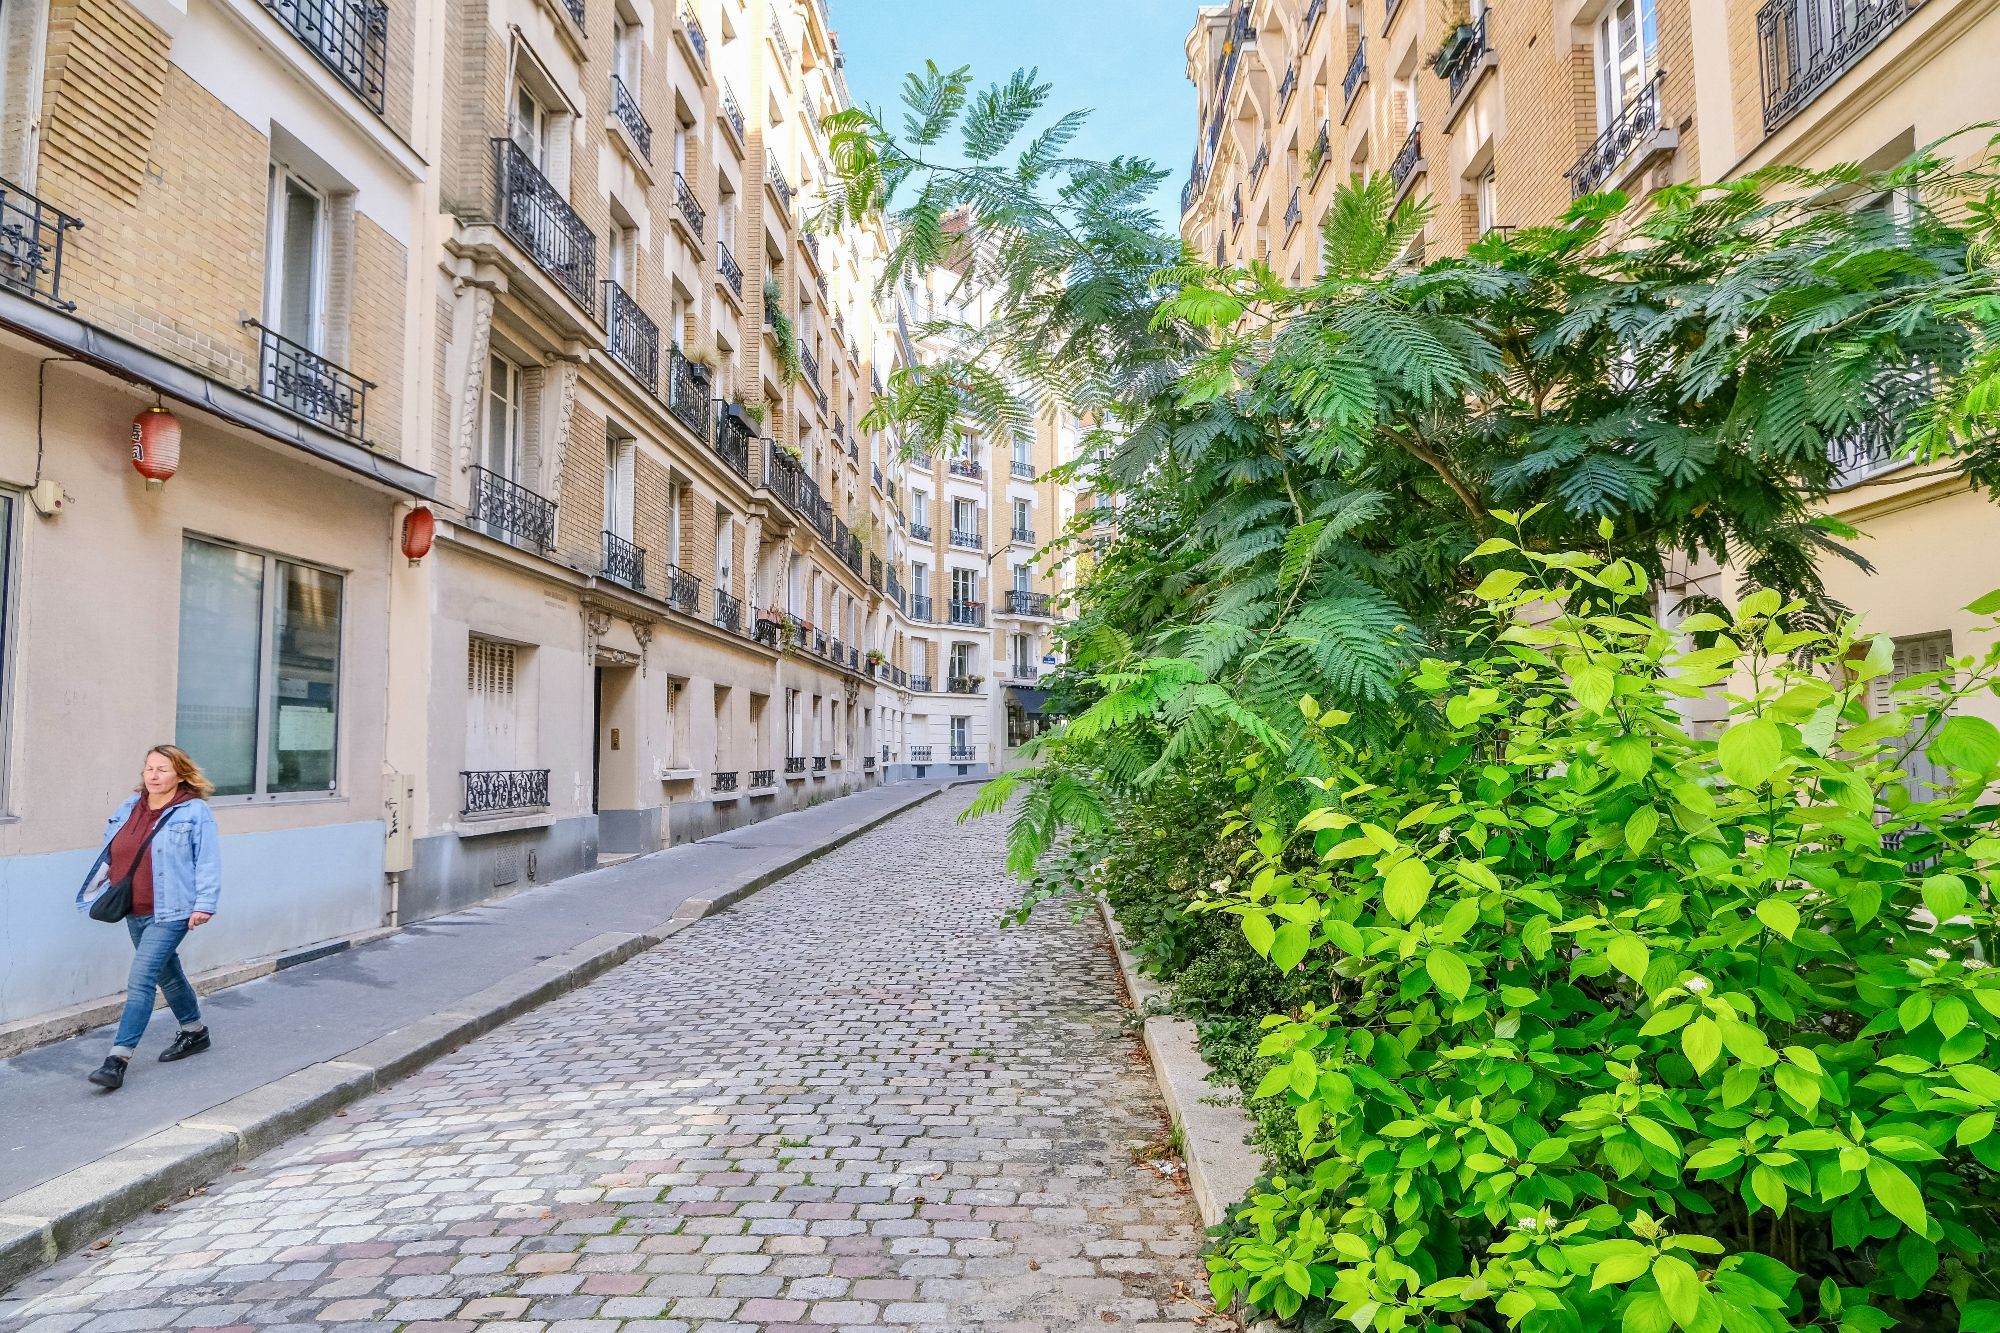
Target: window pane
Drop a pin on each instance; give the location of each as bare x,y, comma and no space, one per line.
306,684
222,630
298,278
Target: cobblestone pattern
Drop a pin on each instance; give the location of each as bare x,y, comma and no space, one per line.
852,1103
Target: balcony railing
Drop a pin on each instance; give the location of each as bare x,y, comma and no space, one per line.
1021,536
726,265
1026,672
965,467
920,532
1022,469
867,763
697,39
1292,213
493,791
1322,149
689,206
728,612
964,684
1804,45
1314,12
306,384
1462,59
626,107
1288,85
632,335
794,763
775,175
1637,123
778,40
534,212
875,571
921,754
723,780
624,563
1875,445
961,754
683,591
1407,157
1235,215
966,539
920,609
349,37
687,392
763,779
31,246
1258,163
810,364
732,111
968,613
732,442
1357,73
1021,603
512,512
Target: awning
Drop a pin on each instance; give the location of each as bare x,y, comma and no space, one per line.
1030,700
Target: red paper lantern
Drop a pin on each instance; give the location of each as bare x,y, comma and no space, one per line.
156,446
419,528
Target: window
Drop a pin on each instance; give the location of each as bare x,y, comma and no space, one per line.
962,660
794,724
1023,578
625,257
259,671
1626,42
1483,201
296,243
725,551
499,720
1021,521
920,578
1914,656
533,130
964,586
961,736
1021,457
677,725
1022,655
619,453
625,53
674,492
964,516
760,707
504,417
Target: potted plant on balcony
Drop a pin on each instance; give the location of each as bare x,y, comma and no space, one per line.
1454,45
754,413
790,367
875,657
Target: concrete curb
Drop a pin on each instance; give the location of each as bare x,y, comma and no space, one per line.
40,1225
1215,1129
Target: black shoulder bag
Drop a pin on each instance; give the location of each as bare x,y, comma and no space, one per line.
115,903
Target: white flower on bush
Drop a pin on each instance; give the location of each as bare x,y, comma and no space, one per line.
1974,964
1218,885
1696,985
1940,954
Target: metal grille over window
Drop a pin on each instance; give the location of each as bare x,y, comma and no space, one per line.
350,37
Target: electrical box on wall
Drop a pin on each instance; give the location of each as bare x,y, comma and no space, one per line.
399,807
47,497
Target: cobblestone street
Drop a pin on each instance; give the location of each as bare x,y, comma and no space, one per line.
854,1102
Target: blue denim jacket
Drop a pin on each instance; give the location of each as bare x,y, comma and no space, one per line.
187,861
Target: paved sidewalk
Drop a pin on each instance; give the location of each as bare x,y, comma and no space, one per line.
52,1121
853,1103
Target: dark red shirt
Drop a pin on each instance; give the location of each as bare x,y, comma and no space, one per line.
127,843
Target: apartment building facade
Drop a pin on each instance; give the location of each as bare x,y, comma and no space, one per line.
1501,114
208,214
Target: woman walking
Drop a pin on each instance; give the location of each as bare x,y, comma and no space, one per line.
162,849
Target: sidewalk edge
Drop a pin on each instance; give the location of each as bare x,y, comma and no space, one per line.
42,1224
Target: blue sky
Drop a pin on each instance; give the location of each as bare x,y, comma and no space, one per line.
1124,60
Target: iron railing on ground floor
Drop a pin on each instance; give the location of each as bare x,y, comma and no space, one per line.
493,791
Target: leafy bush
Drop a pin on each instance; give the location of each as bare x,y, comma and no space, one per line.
1625,1027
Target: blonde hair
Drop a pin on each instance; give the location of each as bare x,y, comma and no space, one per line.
185,768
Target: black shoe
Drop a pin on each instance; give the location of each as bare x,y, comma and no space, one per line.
186,1044
110,1075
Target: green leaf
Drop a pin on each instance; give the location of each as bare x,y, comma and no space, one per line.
1258,930
1303,1072
1985,606
1779,916
1646,1313
1980,1316
1629,955
1945,896
1680,1288
1620,1268
1498,584
1640,826
1592,686
1448,973
1965,742
1749,751
1406,887
1290,945
1897,1194
1702,1042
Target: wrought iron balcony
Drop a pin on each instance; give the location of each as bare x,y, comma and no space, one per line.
1636,124
819,642
1804,45
921,684
968,613
920,609
1288,85
1022,469
875,572
1407,157
626,107
1461,57
966,539
961,754
689,206
624,563
964,684
778,39
687,392
726,265
683,591
867,763
774,175
732,111
535,214
898,676
507,510
921,754
1024,671
1021,536
728,612
1314,12
349,37
920,532
732,442
308,385
838,651
1235,210
782,476
575,8
1292,213
723,780
794,763
1322,148
31,246
1021,603
810,364
1357,73
1875,444
495,791
1258,163
877,468
763,779
965,467
697,39
633,337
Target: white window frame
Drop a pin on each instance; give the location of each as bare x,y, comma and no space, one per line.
620,459
1607,46
282,179
512,399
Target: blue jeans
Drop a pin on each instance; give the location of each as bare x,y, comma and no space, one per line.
156,963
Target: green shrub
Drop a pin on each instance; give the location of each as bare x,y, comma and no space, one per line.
1634,1028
